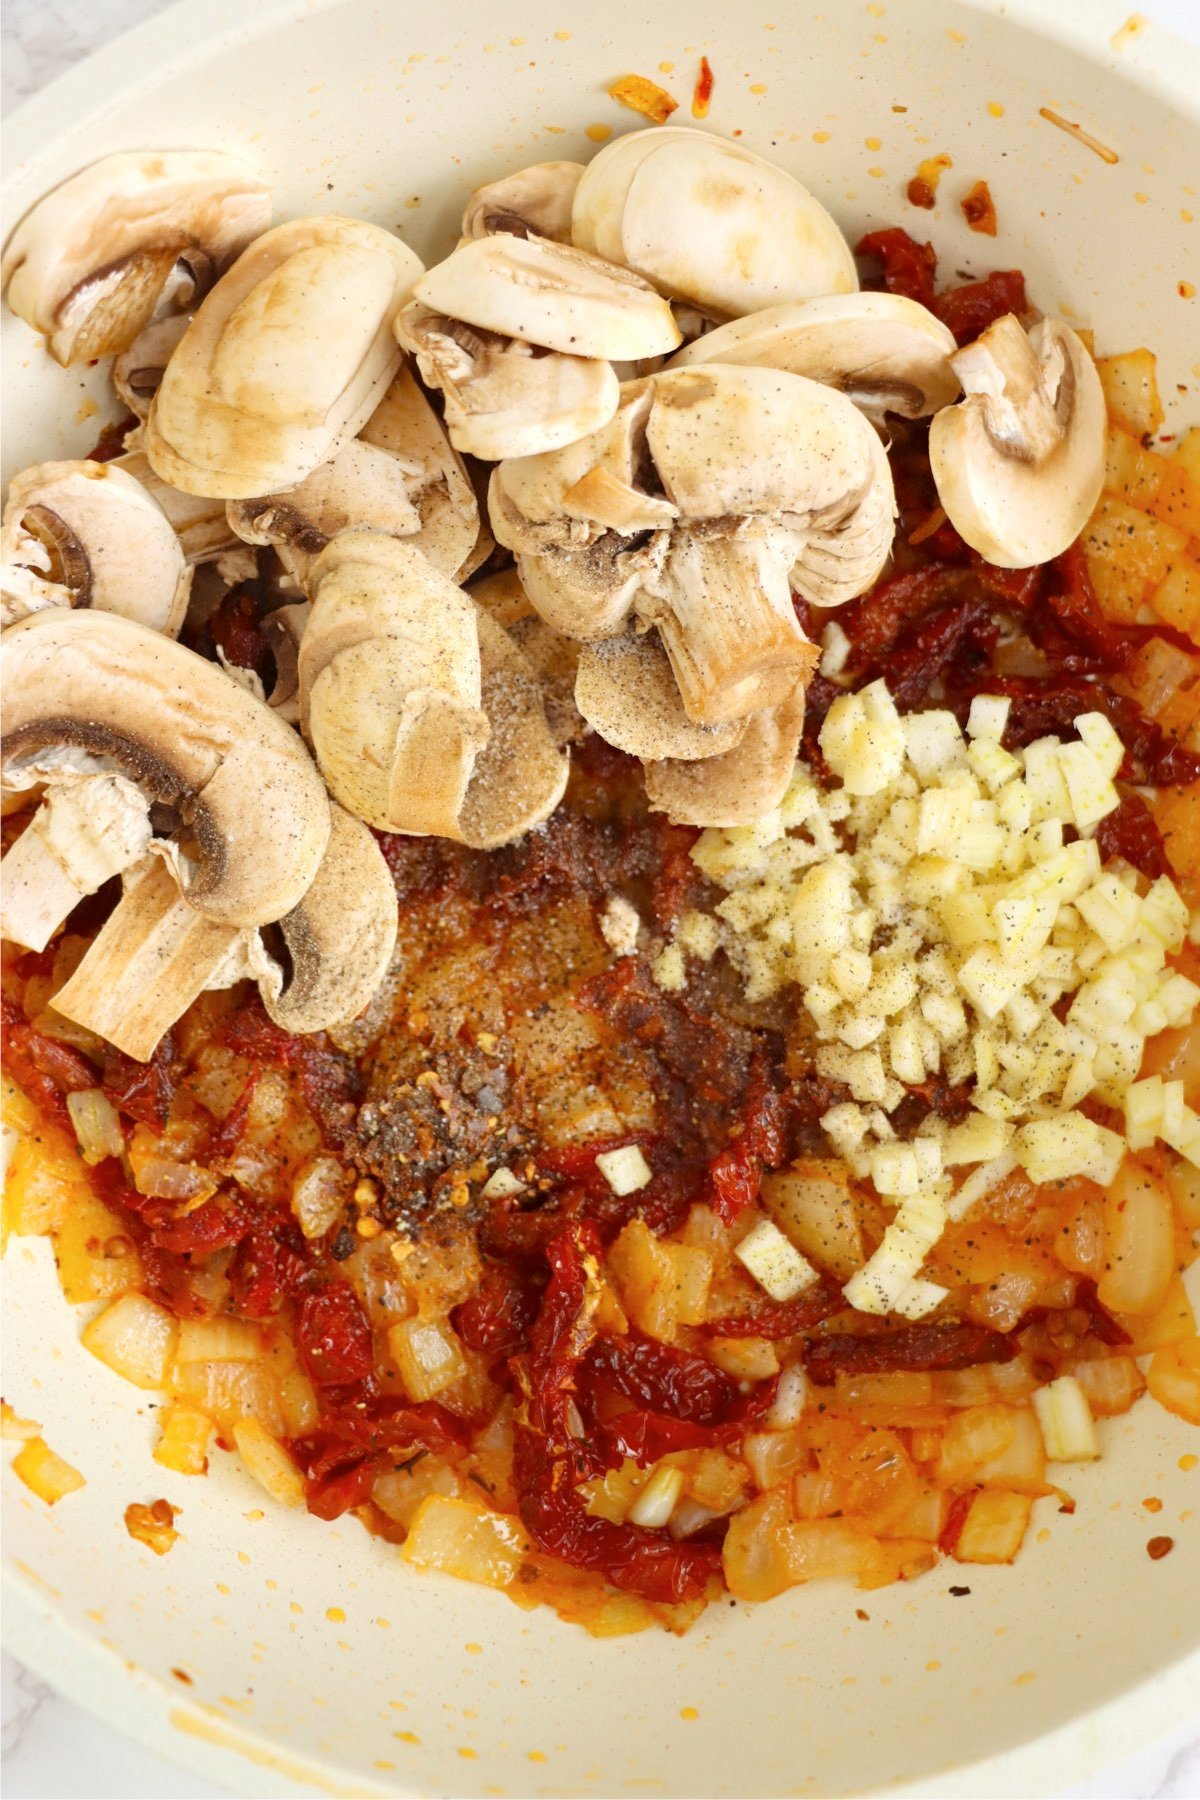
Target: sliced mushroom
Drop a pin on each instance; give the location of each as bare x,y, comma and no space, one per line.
552,296
319,966
885,352
390,684
1019,463
200,524
236,805
284,629
400,476
90,264
627,692
533,202
88,534
708,222
284,362
752,479
138,372
520,773
88,828
740,787
502,397
553,657
425,717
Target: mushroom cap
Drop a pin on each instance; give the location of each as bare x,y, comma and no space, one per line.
740,787
341,935
626,691
89,534
709,222
138,371
883,351
286,359
94,689
390,684
1019,463
530,202
502,398
87,265
362,486
551,295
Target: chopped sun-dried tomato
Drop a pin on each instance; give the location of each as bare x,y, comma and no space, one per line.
549,1460
44,1068
1131,832
735,1175
143,1090
333,1336
269,1265
499,1315
775,1319
909,268
941,1345
662,1377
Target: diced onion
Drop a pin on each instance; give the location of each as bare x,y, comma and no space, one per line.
97,1125
318,1193
136,1337
469,1541
791,1398
1066,1420
428,1355
269,1463
183,1446
44,1473
218,1340
625,1170
994,1528
655,1503
14,1428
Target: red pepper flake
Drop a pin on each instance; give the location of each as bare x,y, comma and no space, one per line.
979,209
702,92
922,189
1158,1547
645,97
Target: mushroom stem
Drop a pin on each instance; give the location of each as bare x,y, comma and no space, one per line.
80,836
729,627
151,959
1017,391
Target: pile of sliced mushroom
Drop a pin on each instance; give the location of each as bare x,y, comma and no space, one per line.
667,359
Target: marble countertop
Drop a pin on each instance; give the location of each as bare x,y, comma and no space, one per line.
53,1749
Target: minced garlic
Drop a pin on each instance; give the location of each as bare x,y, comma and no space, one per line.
932,915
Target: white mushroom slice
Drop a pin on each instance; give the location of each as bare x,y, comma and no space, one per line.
242,813
520,773
723,607
1019,463
533,202
450,532
743,785
88,534
362,486
138,371
284,630
503,397
554,658
551,295
200,524
285,361
627,692
390,684
571,496
90,263
156,954
85,831
709,223
885,352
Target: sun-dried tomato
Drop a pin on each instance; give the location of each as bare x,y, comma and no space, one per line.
143,1090
499,1315
111,441
329,1080
646,1436
1101,1321
941,1345
938,641
1046,706
1131,832
909,268
663,1378
42,1067
775,1319
343,1457
333,1336
236,631
676,876
549,1461
971,308
218,1224
956,1518
735,1174
269,1265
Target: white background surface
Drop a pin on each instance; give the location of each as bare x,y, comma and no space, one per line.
52,1749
